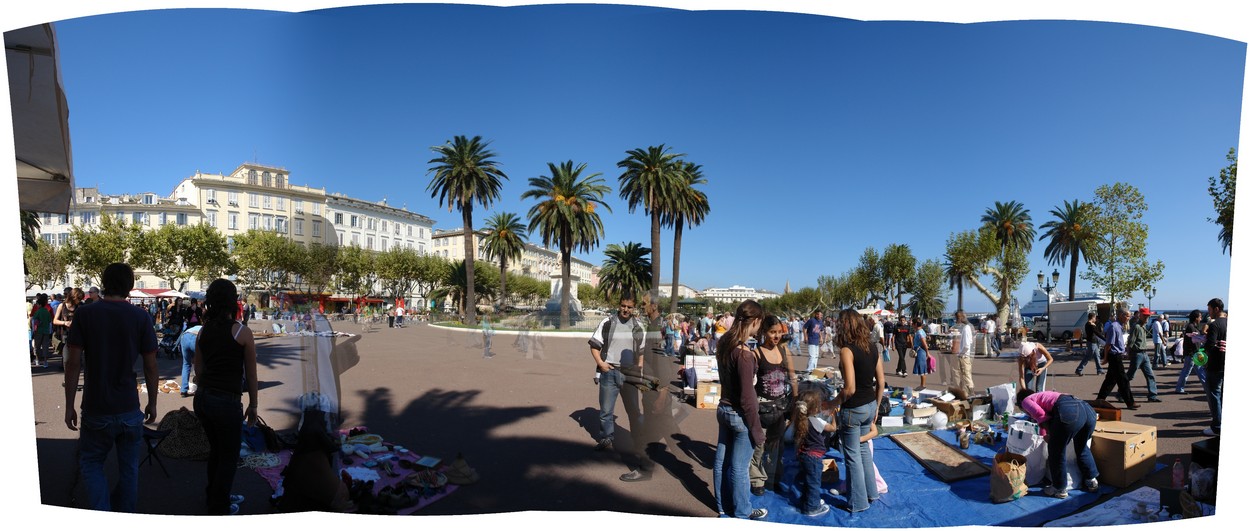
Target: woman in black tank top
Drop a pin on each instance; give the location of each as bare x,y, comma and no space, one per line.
865,381
225,362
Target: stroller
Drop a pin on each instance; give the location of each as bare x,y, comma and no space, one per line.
170,333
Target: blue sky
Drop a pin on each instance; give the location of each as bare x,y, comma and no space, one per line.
819,136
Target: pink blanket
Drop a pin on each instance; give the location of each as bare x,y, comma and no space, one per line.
273,475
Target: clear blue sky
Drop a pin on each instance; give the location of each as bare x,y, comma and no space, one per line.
819,136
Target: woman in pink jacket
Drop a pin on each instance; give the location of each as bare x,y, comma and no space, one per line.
1063,419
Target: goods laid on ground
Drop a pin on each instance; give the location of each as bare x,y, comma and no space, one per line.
947,462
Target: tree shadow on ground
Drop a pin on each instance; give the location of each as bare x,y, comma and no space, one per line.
519,473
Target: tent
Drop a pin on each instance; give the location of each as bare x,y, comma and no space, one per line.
45,172
876,312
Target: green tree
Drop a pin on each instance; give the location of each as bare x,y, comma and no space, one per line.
1117,255
397,271
689,208
870,274
265,260
899,268
590,296
505,240
626,269
465,172
457,285
45,265
92,248
981,252
357,271
316,268
960,268
651,178
1068,236
30,229
429,271
178,253
1013,231
1223,190
565,214
927,294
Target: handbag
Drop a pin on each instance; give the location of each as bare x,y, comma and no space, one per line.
932,363
186,439
261,438
1007,478
911,352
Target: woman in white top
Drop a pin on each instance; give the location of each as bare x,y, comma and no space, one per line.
1032,364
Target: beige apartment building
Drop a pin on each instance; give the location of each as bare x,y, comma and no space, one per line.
536,261
255,196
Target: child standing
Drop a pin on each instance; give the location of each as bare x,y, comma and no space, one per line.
811,423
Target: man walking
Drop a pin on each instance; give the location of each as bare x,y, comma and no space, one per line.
617,341
1215,349
1113,356
1093,344
902,344
813,329
1140,353
705,330
116,333
963,365
1160,340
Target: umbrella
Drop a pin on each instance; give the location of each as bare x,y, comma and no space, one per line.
173,293
45,167
139,294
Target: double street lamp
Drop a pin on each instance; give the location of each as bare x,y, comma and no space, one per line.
1049,287
1150,295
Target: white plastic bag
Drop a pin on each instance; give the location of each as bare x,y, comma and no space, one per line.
1003,399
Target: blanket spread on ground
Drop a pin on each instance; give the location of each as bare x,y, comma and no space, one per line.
273,475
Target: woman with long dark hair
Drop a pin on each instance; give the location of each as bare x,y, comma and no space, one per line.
738,415
865,380
1193,327
225,354
777,389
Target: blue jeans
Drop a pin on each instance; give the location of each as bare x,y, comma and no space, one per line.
1142,359
813,354
609,388
221,415
854,423
1188,367
1091,353
808,482
730,478
1215,398
98,434
668,345
186,344
1036,383
1072,421
1160,354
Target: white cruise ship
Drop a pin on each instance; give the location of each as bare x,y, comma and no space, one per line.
1037,306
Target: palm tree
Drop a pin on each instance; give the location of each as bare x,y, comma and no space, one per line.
1012,225
625,270
505,241
1069,236
466,172
565,214
956,276
457,285
30,229
689,206
650,179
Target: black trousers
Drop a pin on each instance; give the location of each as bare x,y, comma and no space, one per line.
1115,377
221,415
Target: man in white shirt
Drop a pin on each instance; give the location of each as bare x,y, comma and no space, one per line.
991,329
1160,341
963,351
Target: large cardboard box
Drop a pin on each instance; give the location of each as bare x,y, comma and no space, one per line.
1124,452
707,395
1105,410
954,409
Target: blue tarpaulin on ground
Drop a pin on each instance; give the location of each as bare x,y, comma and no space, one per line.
918,498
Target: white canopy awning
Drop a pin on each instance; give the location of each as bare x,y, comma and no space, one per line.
45,172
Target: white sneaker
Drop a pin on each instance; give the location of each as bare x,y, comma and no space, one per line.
1054,493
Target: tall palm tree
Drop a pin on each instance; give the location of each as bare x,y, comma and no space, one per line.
30,228
626,269
650,178
689,207
505,241
1013,228
957,276
1069,237
466,172
565,214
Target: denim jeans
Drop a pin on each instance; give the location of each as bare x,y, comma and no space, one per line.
668,345
854,423
1072,421
1186,369
186,344
1036,383
1091,353
221,415
813,354
98,434
1160,354
730,479
1215,398
1142,360
807,480
609,388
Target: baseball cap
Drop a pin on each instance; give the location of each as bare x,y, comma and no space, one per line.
1145,311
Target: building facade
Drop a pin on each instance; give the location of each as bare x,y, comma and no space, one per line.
737,293
536,261
683,291
255,196
377,226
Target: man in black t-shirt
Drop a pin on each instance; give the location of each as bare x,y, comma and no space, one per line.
116,333
1217,334
902,343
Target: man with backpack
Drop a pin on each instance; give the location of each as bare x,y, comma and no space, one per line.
617,341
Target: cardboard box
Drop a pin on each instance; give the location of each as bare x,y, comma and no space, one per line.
705,368
954,409
707,395
1105,410
980,407
1124,452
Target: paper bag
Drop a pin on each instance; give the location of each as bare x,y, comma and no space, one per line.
1024,438
1007,478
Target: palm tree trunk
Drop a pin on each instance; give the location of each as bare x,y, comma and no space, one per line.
960,287
655,256
672,305
470,253
503,283
1072,278
566,273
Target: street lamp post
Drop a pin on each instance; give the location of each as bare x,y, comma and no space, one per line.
1049,287
1150,295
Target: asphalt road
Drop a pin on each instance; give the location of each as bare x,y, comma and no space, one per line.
526,423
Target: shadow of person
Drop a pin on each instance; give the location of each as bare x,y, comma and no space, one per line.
683,472
699,451
587,419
